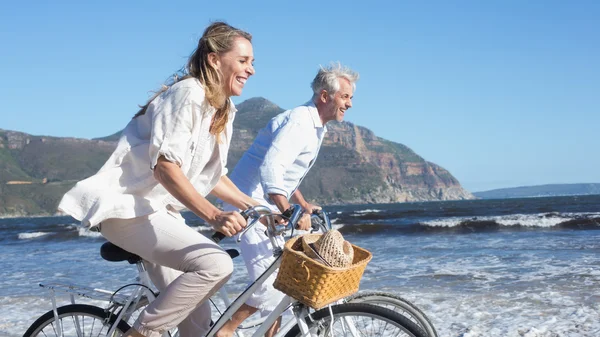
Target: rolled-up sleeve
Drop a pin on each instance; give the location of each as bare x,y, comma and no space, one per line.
287,144
172,123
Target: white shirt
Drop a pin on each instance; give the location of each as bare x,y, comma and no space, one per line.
281,155
176,126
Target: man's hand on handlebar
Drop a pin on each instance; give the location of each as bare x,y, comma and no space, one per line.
305,223
310,208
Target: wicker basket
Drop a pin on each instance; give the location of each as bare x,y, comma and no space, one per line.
313,283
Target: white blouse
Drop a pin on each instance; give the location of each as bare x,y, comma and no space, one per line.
176,126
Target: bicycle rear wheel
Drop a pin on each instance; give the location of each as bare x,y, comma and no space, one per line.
398,304
358,319
76,320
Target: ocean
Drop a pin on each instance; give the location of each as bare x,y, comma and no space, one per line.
507,267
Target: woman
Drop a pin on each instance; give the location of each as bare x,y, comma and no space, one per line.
169,157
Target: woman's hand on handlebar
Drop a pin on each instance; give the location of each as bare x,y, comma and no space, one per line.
229,223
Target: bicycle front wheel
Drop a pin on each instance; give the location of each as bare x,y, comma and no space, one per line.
398,304
76,320
358,319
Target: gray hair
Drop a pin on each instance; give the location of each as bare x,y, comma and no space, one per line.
328,79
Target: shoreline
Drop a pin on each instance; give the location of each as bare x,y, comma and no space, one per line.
43,215
331,203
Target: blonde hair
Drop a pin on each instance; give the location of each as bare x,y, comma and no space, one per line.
217,38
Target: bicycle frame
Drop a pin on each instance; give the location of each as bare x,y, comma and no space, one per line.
143,289
324,224
285,303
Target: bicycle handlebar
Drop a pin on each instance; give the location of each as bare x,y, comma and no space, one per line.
259,211
320,221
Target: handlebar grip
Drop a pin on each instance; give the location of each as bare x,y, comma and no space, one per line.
218,236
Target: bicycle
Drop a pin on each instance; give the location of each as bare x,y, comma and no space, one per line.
336,319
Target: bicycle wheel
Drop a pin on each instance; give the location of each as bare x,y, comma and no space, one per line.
358,319
76,320
398,304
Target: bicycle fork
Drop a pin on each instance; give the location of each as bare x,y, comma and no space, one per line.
301,312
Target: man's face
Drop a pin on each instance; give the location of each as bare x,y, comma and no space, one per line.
341,101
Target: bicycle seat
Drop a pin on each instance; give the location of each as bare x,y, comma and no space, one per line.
113,253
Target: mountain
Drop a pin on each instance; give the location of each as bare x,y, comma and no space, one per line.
540,191
354,166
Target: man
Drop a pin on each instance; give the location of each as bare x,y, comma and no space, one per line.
274,166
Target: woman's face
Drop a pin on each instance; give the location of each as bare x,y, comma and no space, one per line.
236,66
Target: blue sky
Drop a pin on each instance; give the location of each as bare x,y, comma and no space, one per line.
500,93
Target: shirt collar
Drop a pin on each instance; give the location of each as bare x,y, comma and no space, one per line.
232,108
314,114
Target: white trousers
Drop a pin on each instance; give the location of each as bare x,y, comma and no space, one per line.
185,266
257,251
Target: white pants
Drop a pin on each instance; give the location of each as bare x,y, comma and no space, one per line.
185,266
257,251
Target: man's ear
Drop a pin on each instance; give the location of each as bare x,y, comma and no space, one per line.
324,96
213,60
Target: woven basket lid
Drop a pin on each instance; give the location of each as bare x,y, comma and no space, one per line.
330,247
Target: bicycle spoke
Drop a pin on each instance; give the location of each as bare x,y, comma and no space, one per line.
398,304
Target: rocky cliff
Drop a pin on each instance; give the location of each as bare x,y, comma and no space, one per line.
354,166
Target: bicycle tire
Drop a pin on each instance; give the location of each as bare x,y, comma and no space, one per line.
398,304
319,321
86,317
